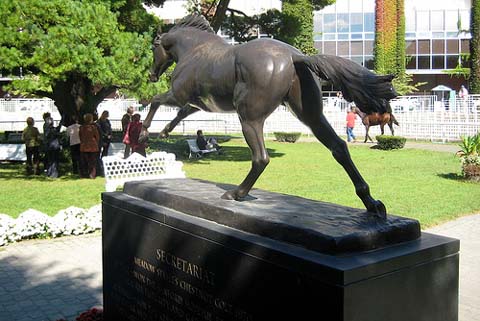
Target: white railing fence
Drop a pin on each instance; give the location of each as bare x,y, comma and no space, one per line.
420,117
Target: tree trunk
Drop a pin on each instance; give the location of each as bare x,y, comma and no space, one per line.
220,13
475,48
76,96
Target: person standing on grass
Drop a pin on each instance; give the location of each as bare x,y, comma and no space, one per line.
89,138
134,129
126,119
43,148
73,132
351,124
53,146
31,137
105,128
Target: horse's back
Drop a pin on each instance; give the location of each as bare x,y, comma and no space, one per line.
267,61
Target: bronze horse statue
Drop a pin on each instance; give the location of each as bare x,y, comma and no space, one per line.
253,79
374,119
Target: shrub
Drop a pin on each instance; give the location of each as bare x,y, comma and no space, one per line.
387,142
469,156
287,137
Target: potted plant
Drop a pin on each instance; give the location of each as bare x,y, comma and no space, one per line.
469,156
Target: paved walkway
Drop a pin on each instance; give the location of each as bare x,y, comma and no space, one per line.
45,280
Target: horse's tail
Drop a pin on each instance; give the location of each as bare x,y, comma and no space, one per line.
394,120
370,92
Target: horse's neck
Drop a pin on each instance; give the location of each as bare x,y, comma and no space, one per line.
188,40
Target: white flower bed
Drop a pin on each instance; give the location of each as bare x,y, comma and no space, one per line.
32,223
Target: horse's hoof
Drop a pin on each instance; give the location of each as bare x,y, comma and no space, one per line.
230,195
378,208
163,134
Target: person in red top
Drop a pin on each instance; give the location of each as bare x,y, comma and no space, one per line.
134,129
350,125
89,138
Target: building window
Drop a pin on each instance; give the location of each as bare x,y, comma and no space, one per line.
329,36
438,62
424,46
465,43
438,46
423,20
329,48
423,62
451,20
356,48
329,22
411,47
356,20
437,22
356,36
343,21
369,22
358,60
317,23
411,62
452,46
369,47
452,61
410,25
342,48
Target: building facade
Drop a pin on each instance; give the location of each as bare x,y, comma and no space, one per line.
436,35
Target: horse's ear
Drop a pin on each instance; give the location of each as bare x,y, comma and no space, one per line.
159,30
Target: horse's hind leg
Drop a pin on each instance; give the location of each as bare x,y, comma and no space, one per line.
390,124
305,101
367,136
326,134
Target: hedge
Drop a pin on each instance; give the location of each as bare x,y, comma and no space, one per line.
387,142
287,137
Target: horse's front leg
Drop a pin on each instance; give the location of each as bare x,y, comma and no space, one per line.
183,113
162,99
253,133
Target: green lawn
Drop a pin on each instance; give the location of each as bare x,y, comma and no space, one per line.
413,183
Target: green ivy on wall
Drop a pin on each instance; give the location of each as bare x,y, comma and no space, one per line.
475,48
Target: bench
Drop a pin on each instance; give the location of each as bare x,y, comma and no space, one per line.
157,165
196,152
13,152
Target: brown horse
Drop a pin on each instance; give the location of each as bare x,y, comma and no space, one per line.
253,79
374,119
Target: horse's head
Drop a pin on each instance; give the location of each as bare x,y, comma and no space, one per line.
162,59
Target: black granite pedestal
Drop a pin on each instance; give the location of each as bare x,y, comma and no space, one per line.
173,250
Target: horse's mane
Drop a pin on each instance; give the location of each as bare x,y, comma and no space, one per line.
194,21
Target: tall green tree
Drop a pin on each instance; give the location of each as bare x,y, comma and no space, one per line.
297,26
74,52
475,48
294,25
